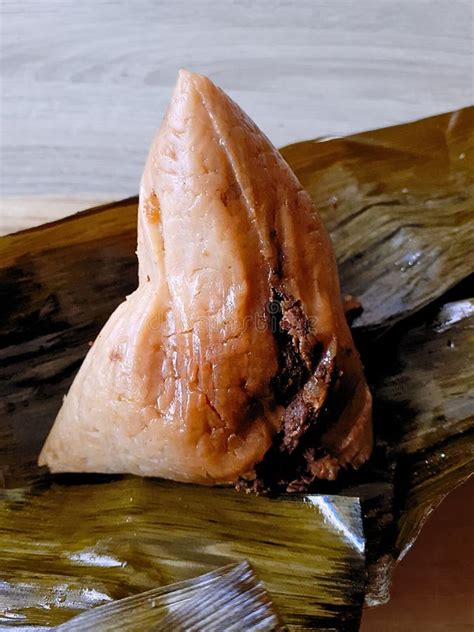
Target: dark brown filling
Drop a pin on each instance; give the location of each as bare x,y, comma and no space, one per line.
305,384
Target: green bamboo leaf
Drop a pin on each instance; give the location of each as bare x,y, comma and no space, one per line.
90,544
80,542
398,203
423,385
59,283
230,598
427,403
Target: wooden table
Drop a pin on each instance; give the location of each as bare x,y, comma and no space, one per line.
84,85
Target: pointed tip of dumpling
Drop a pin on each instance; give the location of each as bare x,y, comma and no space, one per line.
190,91
187,76
188,81
195,106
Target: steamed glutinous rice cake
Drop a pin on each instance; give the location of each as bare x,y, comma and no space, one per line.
232,362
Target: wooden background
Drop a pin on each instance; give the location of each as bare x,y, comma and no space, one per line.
84,84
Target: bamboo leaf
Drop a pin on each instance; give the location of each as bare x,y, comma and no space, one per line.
423,385
230,598
398,203
93,543
58,285
401,229
427,403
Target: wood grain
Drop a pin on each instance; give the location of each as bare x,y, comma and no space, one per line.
85,83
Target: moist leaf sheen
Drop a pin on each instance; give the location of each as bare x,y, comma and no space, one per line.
91,541
230,598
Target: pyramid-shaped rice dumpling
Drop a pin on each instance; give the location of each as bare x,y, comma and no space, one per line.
232,361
